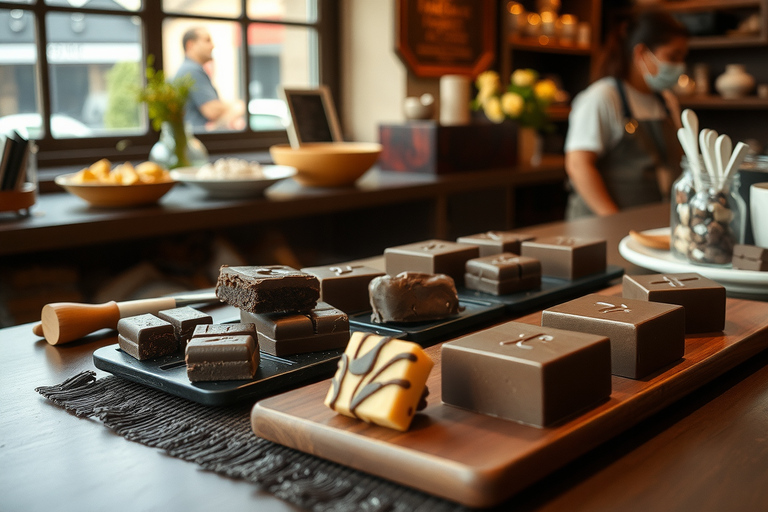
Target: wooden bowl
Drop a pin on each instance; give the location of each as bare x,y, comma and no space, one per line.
113,196
327,164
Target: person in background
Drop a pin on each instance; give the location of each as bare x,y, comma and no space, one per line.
621,148
204,108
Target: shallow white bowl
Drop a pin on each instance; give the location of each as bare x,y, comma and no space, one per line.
234,188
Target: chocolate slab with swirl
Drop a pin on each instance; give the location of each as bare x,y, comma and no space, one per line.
702,298
567,257
267,289
380,380
502,274
431,257
645,336
525,373
496,242
345,286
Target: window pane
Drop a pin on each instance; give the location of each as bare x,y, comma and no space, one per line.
111,5
278,55
283,10
216,103
20,1
18,74
224,8
95,68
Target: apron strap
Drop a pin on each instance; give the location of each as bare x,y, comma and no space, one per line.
633,126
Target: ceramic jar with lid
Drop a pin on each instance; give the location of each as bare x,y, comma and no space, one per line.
735,82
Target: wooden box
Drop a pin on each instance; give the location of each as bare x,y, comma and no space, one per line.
428,147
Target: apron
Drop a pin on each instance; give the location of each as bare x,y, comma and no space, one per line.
629,169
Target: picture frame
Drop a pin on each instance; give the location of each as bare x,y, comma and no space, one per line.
313,116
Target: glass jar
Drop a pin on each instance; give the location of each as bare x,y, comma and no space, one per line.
178,147
717,218
680,213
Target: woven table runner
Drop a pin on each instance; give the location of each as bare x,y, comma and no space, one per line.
220,439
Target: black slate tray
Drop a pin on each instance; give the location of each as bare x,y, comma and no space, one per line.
169,374
553,291
475,312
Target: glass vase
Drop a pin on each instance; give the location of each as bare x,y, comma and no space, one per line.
178,147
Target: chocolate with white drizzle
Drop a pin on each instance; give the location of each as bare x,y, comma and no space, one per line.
380,380
702,298
645,336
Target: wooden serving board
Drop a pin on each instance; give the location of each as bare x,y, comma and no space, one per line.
479,460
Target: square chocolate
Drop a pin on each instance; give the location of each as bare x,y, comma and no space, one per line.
702,298
345,286
567,257
233,357
431,257
146,337
496,242
501,274
267,289
750,257
246,329
184,320
645,336
280,334
525,373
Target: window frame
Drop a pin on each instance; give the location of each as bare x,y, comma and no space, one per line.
64,152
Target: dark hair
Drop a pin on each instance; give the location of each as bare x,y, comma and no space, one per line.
651,28
190,35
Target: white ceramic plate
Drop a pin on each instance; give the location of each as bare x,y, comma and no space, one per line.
234,188
746,282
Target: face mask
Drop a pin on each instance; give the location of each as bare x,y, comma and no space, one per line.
667,75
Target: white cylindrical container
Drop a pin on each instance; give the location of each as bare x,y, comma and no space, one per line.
454,99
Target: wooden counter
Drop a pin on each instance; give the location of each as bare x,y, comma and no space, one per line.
706,452
61,220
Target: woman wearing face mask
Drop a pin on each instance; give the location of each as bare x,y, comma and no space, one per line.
621,149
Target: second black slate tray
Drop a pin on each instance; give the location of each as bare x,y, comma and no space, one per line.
553,291
476,311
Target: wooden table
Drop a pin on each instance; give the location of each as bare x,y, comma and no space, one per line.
706,452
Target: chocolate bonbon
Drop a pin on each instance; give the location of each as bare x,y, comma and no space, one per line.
645,336
267,289
146,336
413,297
750,257
502,274
496,242
280,334
567,257
526,373
430,257
702,298
380,380
184,320
228,357
345,286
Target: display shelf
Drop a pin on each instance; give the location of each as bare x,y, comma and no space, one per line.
727,41
546,44
713,102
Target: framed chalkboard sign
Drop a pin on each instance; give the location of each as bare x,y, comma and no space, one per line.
436,38
313,116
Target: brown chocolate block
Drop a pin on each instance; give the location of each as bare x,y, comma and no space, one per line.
413,297
750,257
248,329
267,289
702,298
345,286
431,257
280,334
645,336
496,242
567,257
525,373
501,274
222,358
184,320
146,337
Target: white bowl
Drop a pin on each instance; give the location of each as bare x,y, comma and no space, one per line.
237,187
